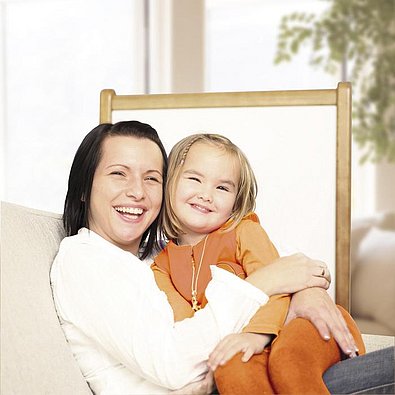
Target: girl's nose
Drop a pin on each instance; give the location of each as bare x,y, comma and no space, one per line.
205,196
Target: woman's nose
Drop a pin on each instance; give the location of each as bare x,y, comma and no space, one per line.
135,189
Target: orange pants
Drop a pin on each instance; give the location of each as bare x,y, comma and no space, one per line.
294,364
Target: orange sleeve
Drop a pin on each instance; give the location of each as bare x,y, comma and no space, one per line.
254,250
181,308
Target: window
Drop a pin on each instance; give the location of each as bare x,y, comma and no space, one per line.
58,55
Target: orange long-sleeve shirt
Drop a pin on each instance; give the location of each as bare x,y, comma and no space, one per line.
240,251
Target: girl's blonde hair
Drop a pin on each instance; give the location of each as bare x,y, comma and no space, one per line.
246,190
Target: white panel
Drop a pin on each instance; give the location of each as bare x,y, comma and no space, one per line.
293,153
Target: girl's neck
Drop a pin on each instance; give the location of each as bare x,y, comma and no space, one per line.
190,239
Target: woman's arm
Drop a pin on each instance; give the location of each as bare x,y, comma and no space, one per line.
291,274
113,300
315,305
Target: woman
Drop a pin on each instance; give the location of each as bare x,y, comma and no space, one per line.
119,325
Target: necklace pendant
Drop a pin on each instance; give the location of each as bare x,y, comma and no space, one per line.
194,282
195,303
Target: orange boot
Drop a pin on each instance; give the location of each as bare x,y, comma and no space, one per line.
244,378
300,356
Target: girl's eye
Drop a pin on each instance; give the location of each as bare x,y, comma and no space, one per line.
222,188
193,179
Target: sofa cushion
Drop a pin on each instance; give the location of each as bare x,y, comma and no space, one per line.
373,280
35,357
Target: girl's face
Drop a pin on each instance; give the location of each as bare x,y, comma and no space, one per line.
206,191
126,191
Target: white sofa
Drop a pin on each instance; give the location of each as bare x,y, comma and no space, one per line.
35,357
373,273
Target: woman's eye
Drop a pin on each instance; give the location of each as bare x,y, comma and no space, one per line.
117,173
154,179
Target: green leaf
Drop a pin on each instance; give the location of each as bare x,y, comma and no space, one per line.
363,33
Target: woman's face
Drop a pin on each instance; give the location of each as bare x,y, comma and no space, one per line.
126,191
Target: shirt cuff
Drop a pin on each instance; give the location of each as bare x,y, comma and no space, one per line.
236,283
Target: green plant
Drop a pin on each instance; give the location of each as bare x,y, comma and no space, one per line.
359,35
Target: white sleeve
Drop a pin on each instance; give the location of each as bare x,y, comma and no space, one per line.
119,305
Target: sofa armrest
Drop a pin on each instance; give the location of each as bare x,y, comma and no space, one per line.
35,357
377,342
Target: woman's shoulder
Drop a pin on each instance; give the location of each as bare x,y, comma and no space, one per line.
83,241
85,249
74,251
87,255
84,236
88,240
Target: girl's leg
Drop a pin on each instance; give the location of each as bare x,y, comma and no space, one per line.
242,378
299,357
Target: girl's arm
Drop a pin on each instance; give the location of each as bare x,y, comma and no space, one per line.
255,250
181,308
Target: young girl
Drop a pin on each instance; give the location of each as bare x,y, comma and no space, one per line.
210,198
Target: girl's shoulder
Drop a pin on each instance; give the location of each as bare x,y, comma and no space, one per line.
250,224
251,216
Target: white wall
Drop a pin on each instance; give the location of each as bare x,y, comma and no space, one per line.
2,100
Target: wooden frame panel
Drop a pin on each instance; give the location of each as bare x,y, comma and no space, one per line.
340,98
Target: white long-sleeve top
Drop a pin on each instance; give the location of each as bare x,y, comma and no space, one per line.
120,326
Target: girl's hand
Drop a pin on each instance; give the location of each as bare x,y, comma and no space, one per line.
202,387
315,305
290,274
248,343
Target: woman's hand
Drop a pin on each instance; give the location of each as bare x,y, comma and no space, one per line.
315,305
290,274
203,387
248,343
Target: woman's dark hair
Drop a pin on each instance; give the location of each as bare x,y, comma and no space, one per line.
86,160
